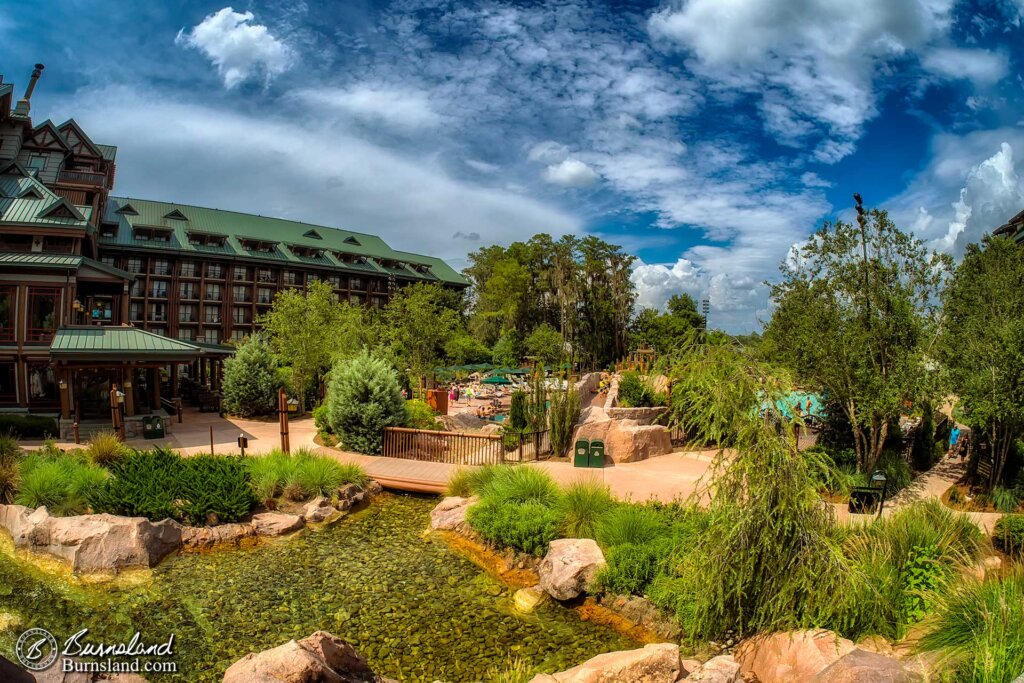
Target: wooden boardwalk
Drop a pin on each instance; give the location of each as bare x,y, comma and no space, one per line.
396,473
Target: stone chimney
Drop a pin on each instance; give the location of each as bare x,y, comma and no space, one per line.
23,106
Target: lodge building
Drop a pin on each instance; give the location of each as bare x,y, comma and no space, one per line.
98,291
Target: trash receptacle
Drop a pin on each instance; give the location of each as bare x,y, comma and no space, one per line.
153,427
597,453
582,456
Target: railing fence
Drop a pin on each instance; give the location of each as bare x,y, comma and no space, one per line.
462,448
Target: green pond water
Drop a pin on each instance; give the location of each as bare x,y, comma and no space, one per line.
417,610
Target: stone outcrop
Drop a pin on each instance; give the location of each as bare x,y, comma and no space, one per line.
450,513
194,538
642,612
721,669
320,510
570,566
318,658
861,666
657,663
276,523
791,657
626,440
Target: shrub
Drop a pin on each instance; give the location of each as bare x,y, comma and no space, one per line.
629,524
104,448
582,504
525,484
159,483
470,481
897,471
322,476
635,392
418,415
299,476
977,626
1004,499
10,457
1008,534
517,413
28,426
563,414
63,482
631,568
251,379
363,397
320,419
528,526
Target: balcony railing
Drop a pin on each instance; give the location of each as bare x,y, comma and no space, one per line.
83,178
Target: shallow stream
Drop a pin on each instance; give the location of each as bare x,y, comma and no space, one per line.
417,610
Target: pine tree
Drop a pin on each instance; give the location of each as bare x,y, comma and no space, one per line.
251,379
364,397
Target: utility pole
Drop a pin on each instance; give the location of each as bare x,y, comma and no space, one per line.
705,306
862,221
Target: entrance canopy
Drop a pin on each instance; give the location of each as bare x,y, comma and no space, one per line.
119,344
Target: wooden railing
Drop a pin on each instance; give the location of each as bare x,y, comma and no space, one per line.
461,448
84,178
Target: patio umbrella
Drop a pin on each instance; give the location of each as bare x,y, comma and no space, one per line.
496,380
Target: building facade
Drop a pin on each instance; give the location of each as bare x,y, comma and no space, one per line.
100,292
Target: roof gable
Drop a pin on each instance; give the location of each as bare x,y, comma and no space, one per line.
77,140
31,192
176,215
13,168
312,234
127,210
61,208
47,136
352,240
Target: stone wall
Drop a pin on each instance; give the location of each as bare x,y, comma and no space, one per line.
642,416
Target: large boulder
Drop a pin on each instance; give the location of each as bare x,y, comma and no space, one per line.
721,669
276,523
791,657
19,521
320,510
861,666
627,440
318,658
96,543
450,513
656,663
570,566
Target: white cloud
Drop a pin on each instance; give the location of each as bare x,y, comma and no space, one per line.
656,283
570,173
548,152
810,179
239,48
984,67
397,107
481,166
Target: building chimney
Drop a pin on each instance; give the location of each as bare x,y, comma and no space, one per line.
36,73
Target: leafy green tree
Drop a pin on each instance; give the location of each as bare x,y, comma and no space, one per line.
508,351
418,321
364,397
310,330
855,314
251,379
545,344
465,349
983,343
664,331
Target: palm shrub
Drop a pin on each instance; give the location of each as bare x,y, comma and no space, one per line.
977,626
564,412
10,457
581,505
364,397
251,379
104,448
1008,534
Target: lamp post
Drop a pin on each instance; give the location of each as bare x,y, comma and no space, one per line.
879,481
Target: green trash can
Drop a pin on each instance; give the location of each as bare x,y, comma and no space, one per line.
582,456
153,427
596,453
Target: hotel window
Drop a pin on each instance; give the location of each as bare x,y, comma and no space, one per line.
241,293
265,295
188,269
241,274
135,311
335,281
7,298
158,313
158,289
138,287
211,314
134,265
109,260
8,383
43,313
378,301
213,292
356,283
265,275
313,277
188,313
58,245
355,299
187,333
162,331
215,271
187,290
161,267
36,162
292,278
211,335
42,385
239,335
241,315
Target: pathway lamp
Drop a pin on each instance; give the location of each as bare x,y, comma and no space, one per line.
879,481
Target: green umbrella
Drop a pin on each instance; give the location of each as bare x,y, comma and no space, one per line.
496,380
519,371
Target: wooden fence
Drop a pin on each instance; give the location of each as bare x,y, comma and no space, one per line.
461,448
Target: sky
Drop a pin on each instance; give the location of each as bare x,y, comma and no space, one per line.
707,137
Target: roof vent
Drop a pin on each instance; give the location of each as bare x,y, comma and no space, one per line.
313,234
31,192
176,215
352,240
127,210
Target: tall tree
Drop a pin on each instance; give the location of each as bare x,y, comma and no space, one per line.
855,314
983,343
418,321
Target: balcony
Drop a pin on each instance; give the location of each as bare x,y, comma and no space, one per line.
90,178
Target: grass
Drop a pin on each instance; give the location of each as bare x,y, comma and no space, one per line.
978,627
470,481
10,476
63,482
514,670
105,448
582,505
527,526
629,524
300,476
1005,499
517,485
1008,535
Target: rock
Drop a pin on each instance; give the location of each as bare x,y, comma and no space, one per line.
276,523
526,600
318,658
349,496
490,428
206,538
791,657
319,510
861,666
642,612
688,666
18,521
569,567
627,440
721,669
374,488
878,645
450,513
656,663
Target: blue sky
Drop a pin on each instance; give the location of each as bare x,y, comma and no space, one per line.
706,136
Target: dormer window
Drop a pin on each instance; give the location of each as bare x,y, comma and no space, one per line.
353,241
176,216
147,233
306,252
203,239
352,259
258,246
127,210
312,234
108,229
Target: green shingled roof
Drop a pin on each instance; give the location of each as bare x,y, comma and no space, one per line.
31,259
239,227
25,201
118,343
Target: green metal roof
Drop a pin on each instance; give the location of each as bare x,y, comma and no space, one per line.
24,200
109,152
32,259
240,227
118,343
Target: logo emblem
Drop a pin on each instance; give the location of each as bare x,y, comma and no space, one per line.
36,649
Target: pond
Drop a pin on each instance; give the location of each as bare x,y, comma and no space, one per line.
417,610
